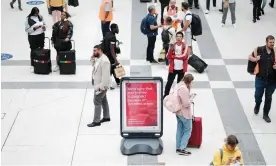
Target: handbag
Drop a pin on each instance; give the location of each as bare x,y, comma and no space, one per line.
119,71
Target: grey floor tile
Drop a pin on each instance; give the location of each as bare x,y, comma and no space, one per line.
235,61
235,122
210,50
140,71
244,84
59,85
15,85
218,73
138,40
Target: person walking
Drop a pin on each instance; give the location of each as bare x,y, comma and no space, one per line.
271,4
105,15
256,10
35,27
100,81
19,4
184,116
163,3
208,5
232,5
109,43
265,81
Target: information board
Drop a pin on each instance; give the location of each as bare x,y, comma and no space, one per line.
141,105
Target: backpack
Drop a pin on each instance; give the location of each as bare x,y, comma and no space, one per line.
144,27
166,35
31,22
221,156
172,101
196,26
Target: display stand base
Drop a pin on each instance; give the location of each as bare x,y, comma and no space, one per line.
151,146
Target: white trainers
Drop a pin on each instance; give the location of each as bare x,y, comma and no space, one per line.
56,69
32,69
222,25
234,25
206,11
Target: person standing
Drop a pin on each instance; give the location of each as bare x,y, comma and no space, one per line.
178,61
163,3
271,4
232,5
187,25
184,116
153,32
256,10
56,7
61,36
265,71
106,15
100,81
35,27
208,5
110,50
19,4
171,11
172,36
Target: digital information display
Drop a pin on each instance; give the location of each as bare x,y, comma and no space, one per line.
141,106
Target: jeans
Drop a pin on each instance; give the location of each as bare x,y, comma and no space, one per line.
105,27
183,132
232,7
166,47
171,76
256,8
208,4
150,48
261,87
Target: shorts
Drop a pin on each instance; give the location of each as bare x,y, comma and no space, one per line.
58,8
188,38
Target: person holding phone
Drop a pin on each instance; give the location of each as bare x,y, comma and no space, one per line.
229,154
35,27
184,116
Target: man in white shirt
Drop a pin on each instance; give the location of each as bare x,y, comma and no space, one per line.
187,24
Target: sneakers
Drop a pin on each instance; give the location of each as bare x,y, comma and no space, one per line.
222,25
207,11
32,69
234,25
183,152
56,69
11,5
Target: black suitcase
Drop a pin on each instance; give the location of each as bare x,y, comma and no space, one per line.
198,64
42,60
67,61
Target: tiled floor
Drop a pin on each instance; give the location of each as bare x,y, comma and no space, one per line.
44,117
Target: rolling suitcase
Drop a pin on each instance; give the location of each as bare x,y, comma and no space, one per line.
67,61
42,60
198,64
196,136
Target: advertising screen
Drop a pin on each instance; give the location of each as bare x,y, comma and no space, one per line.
141,106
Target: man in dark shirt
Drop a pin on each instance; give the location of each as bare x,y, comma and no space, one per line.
164,3
110,50
265,81
152,32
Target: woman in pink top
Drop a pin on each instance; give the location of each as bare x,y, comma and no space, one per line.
184,116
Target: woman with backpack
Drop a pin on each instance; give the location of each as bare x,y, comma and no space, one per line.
62,34
184,116
229,154
35,27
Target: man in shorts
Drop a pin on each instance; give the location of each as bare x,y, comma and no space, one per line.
186,24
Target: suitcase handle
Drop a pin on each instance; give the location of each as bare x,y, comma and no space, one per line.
49,41
193,110
73,41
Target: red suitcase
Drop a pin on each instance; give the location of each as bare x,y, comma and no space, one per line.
196,136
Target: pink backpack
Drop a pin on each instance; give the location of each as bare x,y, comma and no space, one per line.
172,102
